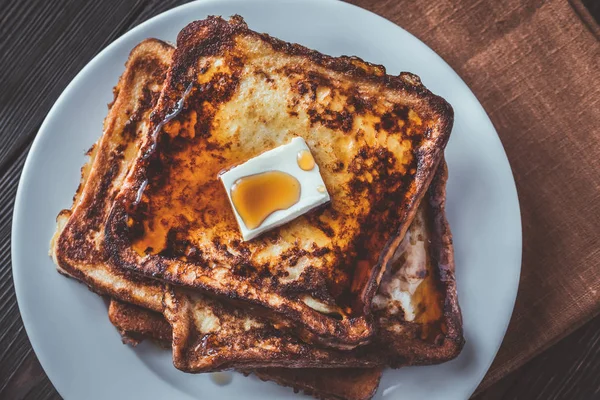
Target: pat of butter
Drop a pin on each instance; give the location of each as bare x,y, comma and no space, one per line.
284,159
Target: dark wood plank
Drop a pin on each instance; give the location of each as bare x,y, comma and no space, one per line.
44,44
29,381
43,391
14,345
593,7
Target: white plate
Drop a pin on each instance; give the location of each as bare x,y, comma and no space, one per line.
67,325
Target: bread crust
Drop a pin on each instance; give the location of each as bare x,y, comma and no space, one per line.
78,244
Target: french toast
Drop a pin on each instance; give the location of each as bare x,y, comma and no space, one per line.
135,324
103,171
416,308
78,244
229,95
211,335
416,311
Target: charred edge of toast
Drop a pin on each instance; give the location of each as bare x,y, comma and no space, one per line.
214,35
139,58
69,247
454,340
427,164
108,289
333,384
419,352
135,324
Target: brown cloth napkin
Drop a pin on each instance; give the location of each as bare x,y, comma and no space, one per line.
535,67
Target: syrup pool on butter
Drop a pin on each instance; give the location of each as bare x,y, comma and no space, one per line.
255,191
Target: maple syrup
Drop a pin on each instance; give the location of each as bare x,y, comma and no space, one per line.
305,160
171,115
255,197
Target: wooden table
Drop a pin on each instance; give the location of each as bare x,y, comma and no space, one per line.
44,44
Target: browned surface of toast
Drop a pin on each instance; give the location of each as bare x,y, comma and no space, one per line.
135,324
231,94
432,335
78,245
101,176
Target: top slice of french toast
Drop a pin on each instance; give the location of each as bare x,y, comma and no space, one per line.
231,94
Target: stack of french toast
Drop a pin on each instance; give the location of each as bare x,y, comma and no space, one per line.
321,302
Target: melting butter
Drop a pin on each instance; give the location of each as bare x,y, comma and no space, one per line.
255,197
299,193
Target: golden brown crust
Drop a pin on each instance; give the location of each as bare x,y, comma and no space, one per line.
435,338
77,246
135,323
170,223
453,341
